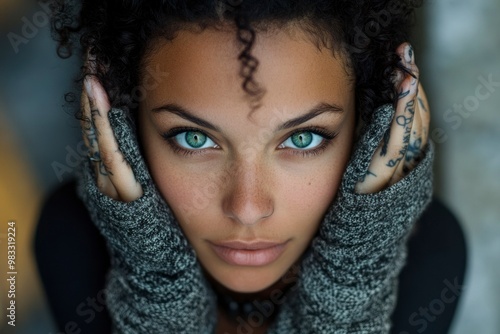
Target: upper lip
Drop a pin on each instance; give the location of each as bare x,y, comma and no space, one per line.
252,245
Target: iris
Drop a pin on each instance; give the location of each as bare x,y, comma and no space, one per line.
302,139
195,139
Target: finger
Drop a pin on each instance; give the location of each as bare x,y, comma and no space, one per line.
387,163
90,136
419,134
412,125
424,114
116,167
90,139
414,149
88,131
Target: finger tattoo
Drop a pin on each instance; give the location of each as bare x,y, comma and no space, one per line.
422,104
385,144
414,150
406,122
367,173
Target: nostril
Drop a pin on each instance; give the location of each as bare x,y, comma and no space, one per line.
249,212
268,215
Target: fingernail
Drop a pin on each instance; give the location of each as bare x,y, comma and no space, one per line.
88,87
408,53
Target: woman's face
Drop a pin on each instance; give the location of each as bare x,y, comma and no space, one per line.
228,176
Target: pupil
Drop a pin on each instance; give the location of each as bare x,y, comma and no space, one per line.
195,139
302,139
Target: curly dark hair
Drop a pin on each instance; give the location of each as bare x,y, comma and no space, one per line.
117,34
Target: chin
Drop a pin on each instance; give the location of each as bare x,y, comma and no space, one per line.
246,279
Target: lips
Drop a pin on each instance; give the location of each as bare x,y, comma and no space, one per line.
258,253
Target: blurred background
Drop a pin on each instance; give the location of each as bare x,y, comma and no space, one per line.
457,44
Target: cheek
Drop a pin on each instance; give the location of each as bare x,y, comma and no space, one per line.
192,198
307,199
189,196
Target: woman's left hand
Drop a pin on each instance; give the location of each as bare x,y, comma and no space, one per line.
348,281
401,149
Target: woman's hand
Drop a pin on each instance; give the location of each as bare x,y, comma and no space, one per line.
154,284
349,278
402,147
114,176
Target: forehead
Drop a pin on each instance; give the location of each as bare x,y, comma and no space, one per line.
201,68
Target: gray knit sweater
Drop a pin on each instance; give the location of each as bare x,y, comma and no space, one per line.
348,278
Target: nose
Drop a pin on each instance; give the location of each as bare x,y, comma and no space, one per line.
248,199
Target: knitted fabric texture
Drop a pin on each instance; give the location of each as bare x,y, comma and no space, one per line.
348,277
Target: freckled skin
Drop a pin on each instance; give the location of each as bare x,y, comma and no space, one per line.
247,188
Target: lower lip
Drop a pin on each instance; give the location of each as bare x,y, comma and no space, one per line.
247,257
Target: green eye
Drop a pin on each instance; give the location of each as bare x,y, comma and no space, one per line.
193,139
303,139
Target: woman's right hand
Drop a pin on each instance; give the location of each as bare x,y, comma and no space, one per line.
114,176
120,194
155,283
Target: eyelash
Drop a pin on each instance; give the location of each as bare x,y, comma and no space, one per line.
327,140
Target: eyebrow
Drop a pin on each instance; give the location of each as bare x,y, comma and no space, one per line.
317,110
186,114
